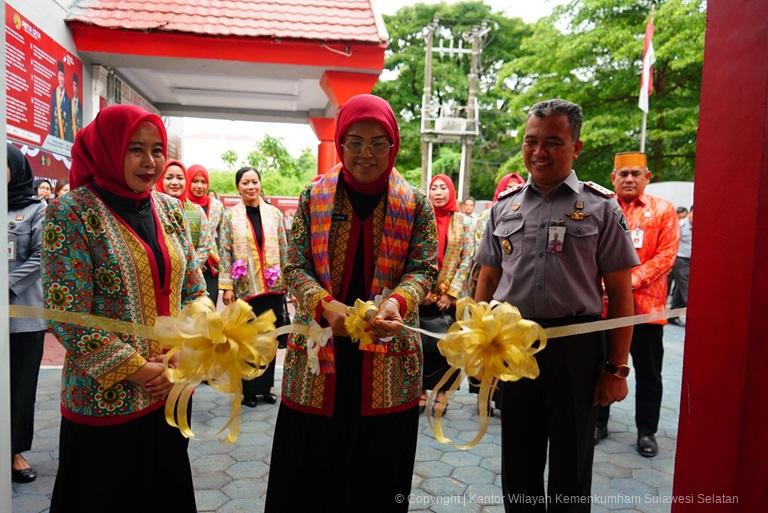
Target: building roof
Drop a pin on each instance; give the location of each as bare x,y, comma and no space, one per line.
353,21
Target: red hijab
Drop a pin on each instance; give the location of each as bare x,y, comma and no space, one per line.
443,216
193,172
160,186
98,154
506,181
367,107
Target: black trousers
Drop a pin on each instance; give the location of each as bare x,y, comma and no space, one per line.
26,352
679,274
647,356
211,285
553,413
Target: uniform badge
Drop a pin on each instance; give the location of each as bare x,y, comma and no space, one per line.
578,214
515,207
20,217
506,246
621,219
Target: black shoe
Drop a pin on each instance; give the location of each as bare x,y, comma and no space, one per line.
647,446
26,475
250,402
601,433
269,398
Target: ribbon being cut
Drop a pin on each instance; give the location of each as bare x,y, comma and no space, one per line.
489,342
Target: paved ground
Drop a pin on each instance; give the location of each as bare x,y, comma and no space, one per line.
232,478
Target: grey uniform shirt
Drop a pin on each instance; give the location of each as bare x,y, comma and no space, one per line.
544,285
25,228
686,230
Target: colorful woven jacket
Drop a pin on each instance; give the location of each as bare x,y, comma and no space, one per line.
392,378
263,268
457,260
93,263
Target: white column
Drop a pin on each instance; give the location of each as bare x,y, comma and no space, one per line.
5,379
462,170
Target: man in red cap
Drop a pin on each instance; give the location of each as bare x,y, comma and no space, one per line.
654,228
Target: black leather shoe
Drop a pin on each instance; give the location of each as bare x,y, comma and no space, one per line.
26,475
601,433
269,398
250,402
647,446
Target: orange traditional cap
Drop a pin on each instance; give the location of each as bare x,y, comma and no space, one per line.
630,159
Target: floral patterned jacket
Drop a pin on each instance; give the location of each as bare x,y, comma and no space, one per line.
93,263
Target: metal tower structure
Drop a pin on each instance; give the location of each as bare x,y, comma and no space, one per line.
451,123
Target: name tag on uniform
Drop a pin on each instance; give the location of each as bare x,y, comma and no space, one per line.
338,217
637,238
11,250
556,239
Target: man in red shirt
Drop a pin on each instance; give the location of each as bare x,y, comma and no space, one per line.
655,233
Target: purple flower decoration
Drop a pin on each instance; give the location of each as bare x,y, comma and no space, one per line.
239,269
271,275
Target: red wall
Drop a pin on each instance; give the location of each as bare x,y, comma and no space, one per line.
722,448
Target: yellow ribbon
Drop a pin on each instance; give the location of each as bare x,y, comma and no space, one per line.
358,318
221,347
491,343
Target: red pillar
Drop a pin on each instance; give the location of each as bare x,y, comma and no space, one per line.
339,86
324,129
722,448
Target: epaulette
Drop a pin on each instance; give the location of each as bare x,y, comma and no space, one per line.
600,189
507,192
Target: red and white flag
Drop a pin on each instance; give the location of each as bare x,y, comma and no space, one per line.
649,57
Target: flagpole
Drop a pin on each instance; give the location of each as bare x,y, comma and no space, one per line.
647,80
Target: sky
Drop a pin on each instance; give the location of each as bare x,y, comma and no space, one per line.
204,140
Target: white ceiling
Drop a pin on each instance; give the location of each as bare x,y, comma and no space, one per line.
224,89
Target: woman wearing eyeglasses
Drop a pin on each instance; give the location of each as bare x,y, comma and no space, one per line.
348,421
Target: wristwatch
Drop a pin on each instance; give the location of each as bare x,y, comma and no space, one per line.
620,371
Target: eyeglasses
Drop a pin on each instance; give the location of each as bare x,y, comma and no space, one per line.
378,148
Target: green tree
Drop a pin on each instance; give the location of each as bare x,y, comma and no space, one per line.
230,158
590,52
281,173
405,63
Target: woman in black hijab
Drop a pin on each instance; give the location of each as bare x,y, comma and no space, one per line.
25,226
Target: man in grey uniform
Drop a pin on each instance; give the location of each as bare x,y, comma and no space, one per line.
548,246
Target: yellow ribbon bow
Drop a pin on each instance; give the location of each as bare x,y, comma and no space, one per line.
358,318
221,347
491,343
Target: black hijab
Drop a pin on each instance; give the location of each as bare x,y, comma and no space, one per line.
21,192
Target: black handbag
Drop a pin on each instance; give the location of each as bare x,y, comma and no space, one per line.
435,320
284,319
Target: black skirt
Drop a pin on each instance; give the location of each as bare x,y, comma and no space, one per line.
141,466
347,462
264,383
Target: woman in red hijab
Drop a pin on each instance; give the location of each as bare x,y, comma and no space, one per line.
456,246
198,187
175,183
346,429
114,248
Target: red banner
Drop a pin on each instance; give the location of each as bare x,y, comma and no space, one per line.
43,86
